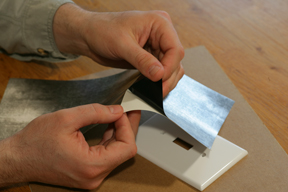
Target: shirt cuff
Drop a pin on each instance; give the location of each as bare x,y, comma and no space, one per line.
38,32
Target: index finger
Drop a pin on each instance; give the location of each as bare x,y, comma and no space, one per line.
166,40
122,148
78,117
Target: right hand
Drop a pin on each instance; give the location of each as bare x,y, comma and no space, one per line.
145,40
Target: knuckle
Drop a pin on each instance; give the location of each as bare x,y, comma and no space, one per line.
169,71
172,86
181,52
96,107
170,74
163,14
142,60
133,151
88,108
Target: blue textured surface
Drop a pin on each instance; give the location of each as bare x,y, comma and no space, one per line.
197,109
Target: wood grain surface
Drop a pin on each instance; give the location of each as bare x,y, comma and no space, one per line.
248,38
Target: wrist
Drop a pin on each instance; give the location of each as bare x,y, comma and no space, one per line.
68,27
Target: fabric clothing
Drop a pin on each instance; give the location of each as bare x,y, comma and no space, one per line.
26,28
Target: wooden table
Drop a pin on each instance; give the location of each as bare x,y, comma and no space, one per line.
248,38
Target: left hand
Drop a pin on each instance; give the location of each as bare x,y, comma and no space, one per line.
51,149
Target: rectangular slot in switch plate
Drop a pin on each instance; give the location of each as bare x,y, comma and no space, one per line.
182,143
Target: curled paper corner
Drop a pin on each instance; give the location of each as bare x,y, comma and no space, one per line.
131,102
197,109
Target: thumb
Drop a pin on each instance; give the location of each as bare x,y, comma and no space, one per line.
85,115
144,61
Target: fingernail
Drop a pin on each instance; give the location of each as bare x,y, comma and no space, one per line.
115,109
154,69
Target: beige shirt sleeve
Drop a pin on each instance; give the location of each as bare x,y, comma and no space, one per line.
26,30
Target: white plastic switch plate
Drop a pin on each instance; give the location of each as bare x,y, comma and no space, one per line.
197,166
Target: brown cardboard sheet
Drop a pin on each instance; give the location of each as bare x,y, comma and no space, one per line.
264,169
